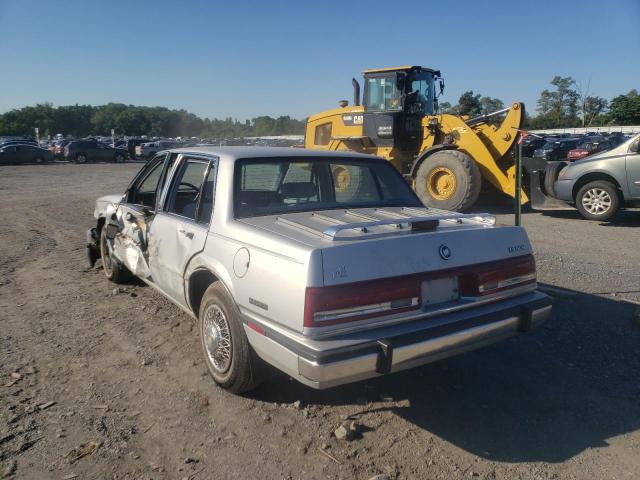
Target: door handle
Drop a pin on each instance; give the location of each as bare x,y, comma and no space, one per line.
189,235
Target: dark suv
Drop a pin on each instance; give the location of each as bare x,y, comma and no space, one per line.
556,149
83,151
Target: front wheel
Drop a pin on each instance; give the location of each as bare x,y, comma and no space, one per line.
81,158
598,200
449,180
227,353
113,269
119,158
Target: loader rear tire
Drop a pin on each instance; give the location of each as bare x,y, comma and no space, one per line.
448,180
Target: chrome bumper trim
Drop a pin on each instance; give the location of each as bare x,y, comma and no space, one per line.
362,366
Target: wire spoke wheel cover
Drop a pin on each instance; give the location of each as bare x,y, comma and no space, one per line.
441,183
596,201
217,339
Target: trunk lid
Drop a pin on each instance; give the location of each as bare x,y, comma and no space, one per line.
372,243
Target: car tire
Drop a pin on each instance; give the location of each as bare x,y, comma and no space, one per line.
598,200
39,160
229,358
551,175
81,158
449,180
113,269
119,158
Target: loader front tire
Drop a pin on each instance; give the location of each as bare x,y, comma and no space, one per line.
448,180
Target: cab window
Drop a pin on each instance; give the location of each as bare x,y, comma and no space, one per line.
381,94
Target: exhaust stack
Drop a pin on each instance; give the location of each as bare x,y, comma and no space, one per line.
356,92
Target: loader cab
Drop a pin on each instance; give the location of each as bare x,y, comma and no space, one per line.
395,100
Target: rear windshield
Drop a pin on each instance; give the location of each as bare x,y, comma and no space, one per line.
282,185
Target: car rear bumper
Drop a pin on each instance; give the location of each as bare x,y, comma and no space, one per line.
395,348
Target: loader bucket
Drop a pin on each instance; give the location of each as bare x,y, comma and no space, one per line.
539,199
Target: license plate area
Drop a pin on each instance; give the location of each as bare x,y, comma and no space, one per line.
441,290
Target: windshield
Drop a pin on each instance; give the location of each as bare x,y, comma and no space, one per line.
277,186
550,145
420,94
381,94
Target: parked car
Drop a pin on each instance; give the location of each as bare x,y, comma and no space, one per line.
589,147
83,151
598,186
18,142
554,150
530,144
58,147
20,153
149,149
274,258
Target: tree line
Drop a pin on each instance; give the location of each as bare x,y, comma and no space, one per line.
564,105
131,120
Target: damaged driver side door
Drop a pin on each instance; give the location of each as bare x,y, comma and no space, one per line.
136,213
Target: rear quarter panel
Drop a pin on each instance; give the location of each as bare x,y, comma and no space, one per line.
267,284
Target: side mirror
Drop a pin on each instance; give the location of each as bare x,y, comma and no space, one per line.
441,86
635,146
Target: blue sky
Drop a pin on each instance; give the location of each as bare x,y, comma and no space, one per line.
242,59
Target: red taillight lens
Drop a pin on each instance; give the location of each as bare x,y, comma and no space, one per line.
357,301
345,303
509,274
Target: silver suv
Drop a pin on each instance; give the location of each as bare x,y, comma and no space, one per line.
598,185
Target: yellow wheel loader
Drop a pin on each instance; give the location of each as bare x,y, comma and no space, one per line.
444,156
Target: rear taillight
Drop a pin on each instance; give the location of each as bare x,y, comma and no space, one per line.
509,274
357,301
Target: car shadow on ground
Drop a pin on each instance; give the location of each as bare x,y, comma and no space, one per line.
543,396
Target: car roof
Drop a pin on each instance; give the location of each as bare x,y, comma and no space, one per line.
241,152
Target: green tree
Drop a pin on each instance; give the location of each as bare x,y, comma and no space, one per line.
489,105
592,109
469,104
559,107
625,109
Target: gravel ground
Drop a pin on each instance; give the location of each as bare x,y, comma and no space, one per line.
100,383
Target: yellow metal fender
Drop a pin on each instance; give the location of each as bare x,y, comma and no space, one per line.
487,144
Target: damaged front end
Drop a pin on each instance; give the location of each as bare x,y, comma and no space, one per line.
124,235
541,192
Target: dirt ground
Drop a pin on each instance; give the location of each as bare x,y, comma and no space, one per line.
97,383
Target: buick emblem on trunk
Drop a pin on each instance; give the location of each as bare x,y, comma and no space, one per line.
445,252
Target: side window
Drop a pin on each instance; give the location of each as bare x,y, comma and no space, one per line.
146,190
323,134
186,189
